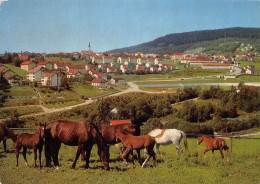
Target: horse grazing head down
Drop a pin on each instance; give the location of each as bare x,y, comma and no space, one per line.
103,149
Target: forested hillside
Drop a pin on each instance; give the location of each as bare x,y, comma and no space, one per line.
181,42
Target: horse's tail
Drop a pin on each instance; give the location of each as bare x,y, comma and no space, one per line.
185,140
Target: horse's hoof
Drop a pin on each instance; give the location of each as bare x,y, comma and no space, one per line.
57,167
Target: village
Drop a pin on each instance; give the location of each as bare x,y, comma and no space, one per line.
100,66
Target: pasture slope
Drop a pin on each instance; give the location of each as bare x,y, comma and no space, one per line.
191,167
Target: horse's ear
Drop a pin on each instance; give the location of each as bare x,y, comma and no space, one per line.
45,125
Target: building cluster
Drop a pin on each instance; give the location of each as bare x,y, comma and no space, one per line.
49,73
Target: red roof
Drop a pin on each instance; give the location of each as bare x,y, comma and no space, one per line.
4,70
35,69
98,57
26,62
108,57
43,63
48,74
22,57
72,72
117,122
178,54
97,81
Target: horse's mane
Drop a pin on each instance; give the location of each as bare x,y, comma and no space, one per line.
207,136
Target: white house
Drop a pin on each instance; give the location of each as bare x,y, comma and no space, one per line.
118,81
51,79
35,74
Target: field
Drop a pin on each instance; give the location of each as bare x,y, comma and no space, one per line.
89,91
21,91
171,168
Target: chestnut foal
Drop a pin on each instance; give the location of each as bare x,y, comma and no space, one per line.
132,142
34,141
214,144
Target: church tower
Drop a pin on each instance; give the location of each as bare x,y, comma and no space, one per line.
89,48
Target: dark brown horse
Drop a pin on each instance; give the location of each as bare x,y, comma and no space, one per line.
6,133
35,141
74,133
214,144
132,142
108,131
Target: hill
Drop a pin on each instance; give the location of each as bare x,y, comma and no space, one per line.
181,42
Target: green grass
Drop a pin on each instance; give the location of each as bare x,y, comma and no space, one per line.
243,167
17,70
190,81
246,63
88,91
21,91
249,78
19,111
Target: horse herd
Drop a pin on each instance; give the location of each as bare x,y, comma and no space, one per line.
85,134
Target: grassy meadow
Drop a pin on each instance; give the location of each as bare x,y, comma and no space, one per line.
191,167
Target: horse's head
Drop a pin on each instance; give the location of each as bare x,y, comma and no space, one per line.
131,128
42,130
200,139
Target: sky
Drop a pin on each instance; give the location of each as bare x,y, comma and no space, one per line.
70,25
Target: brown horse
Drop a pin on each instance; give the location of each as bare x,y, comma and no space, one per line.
109,136
34,141
6,133
74,133
108,131
132,142
214,144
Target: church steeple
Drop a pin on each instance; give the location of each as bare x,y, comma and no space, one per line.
89,48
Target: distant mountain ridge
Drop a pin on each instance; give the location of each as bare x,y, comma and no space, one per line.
180,42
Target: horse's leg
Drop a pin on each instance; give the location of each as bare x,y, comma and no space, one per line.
4,143
17,150
212,153
139,156
40,156
24,156
148,157
125,154
227,152
88,149
132,157
157,149
80,148
35,155
222,155
205,151
55,153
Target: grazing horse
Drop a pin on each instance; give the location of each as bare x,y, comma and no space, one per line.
214,144
167,137
74,133
34,141
6,133
132,142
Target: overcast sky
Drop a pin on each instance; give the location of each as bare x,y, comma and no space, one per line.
69,25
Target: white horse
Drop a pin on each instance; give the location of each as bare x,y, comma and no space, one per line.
167,137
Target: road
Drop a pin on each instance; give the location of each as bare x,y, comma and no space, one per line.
133,88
